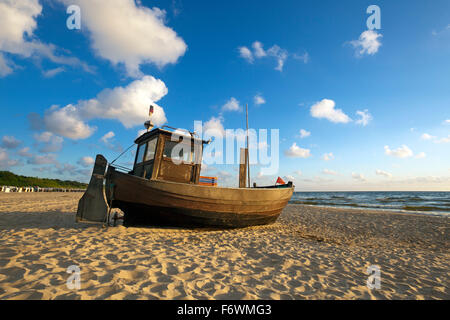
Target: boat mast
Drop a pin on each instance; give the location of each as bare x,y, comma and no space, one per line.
248,153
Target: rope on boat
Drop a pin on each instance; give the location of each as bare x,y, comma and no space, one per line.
122,153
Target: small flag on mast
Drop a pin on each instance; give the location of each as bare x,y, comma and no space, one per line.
150,111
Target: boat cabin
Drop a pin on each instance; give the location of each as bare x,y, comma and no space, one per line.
169,156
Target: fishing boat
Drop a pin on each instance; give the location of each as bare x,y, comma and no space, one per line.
165,188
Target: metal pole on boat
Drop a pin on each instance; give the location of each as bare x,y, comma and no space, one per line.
248,153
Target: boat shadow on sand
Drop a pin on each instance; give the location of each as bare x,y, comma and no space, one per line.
43,220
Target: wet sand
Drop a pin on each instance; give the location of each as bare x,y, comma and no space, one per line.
309,253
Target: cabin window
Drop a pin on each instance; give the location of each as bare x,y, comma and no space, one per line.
184,153
150,154
140,154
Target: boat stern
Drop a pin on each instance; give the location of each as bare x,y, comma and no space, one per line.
93,206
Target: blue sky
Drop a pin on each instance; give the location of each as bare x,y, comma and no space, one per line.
306,60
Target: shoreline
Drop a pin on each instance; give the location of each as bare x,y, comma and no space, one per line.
407,212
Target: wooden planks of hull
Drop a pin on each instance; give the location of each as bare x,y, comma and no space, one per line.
136,215
171,203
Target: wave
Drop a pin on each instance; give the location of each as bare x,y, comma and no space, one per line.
425,208
403,199
304,202
424,202
339,197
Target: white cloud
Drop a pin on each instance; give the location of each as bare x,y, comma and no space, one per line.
368,43
245,53
328,156
358,176
25,152
5,161
49,142
129,105
289,178
177,7
435,139
214,127
5,68
325,109
421,155
379,172
18,22
10,142
107,140
401,152
141,132
443,140
67,122
126,32
86,161
275,51
447,121
304,57
366,117
297,152
298,172
18,18
231,105
329,172
441,32
258,99
17,36
304,133
258,49
44,159
427,136
69,170
53,72
279,54
107,136
43,137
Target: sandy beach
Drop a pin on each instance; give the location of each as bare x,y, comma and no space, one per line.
309,253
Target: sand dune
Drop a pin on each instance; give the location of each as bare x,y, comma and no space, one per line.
309,253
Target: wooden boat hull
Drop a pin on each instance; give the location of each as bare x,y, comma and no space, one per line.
158,202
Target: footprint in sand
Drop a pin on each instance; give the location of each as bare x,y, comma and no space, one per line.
159,288
112,257
169,269
13,274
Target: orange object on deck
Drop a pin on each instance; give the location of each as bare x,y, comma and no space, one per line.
207,181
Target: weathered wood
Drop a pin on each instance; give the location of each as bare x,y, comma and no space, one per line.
243,168
92,206
158,157
170,171
246,152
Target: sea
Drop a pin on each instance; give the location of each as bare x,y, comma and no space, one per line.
429,203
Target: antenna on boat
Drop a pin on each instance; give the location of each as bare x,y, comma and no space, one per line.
248,153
